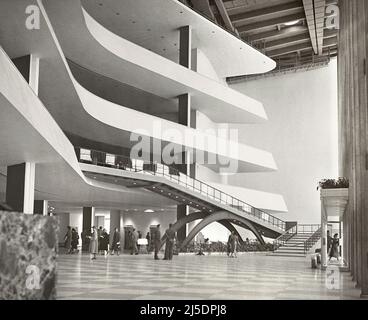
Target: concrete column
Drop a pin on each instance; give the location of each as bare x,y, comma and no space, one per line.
114,223
353,131
88,218
29,66
20,186
185,50
324,244
182,211
41,207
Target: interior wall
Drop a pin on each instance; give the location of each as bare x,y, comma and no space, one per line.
142,221
301,134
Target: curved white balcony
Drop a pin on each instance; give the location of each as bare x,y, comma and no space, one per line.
122,60
154,25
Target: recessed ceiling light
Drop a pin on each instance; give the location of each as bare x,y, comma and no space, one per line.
149,211
292,23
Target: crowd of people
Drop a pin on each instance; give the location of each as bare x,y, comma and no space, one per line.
97,242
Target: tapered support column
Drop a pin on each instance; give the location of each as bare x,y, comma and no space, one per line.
20,186
185,54
41,207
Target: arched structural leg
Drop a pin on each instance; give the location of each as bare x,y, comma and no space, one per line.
220,216
196,216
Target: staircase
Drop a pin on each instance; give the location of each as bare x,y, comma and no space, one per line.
169,182
298,241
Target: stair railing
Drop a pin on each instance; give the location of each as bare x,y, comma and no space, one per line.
312,240
100,158
281,240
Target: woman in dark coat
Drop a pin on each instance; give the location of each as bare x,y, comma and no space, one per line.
334,251
104,241
68,240
75,242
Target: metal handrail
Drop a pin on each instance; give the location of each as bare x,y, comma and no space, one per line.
122,162
281,240
310,242
308,228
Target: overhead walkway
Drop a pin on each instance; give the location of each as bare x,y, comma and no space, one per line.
168,182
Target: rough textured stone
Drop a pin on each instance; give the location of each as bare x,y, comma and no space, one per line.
28,250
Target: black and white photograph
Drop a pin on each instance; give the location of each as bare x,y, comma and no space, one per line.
198,151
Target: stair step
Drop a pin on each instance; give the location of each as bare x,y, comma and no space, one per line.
281,254
290,252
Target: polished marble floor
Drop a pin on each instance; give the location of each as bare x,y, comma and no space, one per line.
189,277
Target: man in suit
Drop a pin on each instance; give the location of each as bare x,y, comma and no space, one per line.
157,241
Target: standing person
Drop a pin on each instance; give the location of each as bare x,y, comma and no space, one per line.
100,239
128,244
234,244
104,241
229,245
115,247
148,237
157,241
93,244
329,242
170,240
134,239
68,240
75,241
334,251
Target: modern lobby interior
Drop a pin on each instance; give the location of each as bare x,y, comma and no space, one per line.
183,150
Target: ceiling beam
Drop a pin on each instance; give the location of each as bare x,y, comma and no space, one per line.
270,23
290,49
224,15
315,14
303,37
276,33
278,9
204,7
